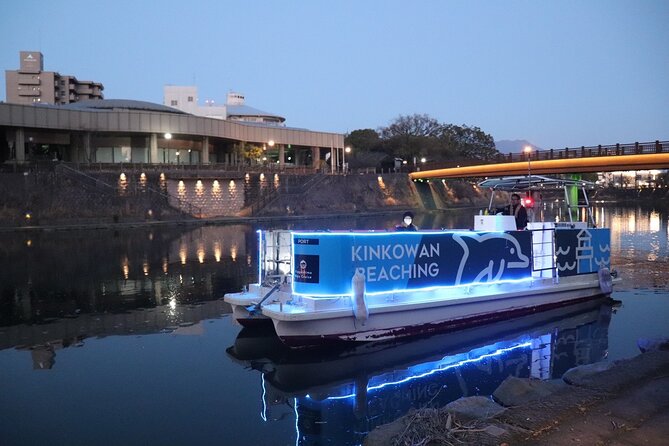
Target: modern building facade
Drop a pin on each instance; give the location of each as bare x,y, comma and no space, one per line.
235,109
122,131
30,84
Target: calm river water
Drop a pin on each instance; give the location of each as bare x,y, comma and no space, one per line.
120,338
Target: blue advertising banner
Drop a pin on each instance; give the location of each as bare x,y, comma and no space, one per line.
582,251
324,263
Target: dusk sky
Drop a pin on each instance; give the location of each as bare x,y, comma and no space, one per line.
556,73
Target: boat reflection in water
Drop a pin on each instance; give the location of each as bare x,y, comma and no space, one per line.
371,384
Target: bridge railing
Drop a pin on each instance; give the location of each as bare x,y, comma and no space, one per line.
554,154
589,151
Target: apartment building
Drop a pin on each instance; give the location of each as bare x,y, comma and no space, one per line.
30,84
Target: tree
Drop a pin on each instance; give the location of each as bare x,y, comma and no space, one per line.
417,136
250,152
473,143
414,125
363,140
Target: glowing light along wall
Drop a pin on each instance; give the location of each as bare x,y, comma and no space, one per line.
211,197
324,263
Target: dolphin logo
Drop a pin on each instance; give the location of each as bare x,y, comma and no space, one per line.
505,253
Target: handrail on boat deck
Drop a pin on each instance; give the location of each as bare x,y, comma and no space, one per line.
551,254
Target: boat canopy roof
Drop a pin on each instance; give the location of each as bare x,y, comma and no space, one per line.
523,183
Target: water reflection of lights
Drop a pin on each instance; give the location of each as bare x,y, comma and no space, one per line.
29,243
297,424
631,223
381,183
263,414
165,265
431,368
248,259
142,180
217,251
232,188
150,235
125,267
233,253
183,253
437,369
654,221
199,188
276,180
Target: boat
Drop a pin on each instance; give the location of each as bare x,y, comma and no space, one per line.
320,287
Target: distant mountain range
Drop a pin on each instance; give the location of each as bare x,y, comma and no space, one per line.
514,146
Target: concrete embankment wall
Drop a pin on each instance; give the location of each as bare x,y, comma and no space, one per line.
53,197
59,197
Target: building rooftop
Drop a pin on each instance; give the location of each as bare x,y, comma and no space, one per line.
120,104
245,110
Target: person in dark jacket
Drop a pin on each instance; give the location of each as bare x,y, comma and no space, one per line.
517,209
407,223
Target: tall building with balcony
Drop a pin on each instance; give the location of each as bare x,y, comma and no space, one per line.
30,84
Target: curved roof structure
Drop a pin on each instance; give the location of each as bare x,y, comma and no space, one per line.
125,116
246,111
120,104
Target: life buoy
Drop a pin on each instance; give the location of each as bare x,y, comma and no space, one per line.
605,281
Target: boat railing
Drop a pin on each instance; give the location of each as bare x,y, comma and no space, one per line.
543,252
276,254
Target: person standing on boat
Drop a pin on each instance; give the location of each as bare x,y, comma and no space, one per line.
517,209
407,223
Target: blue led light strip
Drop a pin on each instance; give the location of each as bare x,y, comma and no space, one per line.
413,290
438,369
263,414
260,258
386,233
451,366
297,418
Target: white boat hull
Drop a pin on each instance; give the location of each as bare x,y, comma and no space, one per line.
425,314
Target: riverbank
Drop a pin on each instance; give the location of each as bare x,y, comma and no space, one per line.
46,201
623,402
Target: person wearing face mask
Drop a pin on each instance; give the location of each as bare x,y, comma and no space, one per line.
407,223
517,209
